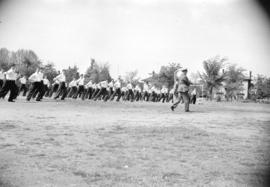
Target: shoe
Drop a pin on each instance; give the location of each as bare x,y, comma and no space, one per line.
11,101
172,108
187,111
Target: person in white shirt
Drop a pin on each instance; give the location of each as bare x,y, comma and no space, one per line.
193,96
130,94
146,93
117,90
111,88
2,77
138,93
153,94
103,93
72,88
171,95
124,92
10,85
90,89
80,83
36,87
23,87
164,94
46,86
97,89
62,85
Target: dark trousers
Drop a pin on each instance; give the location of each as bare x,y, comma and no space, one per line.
62,91
117,93
1,83
23,89
44,90
96,91
9,86
137,96
35,90
182,96
80,92
72,92
130,95
89,92
163,97
146,96
153,97
54,89
103,94
193,99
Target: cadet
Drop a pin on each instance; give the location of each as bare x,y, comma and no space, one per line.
164,93
35,79
130,94
80,91
61,78
23,85
146,91
117,91
9,85
2,76
90,90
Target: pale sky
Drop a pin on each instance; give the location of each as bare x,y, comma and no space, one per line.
138,34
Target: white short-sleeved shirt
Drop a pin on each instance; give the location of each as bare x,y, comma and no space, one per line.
23,80
164,90
145,88
104,84
61,77
2,75
11,74
137,88
72,83
129,86
46,82
80,81
117,84
110,84
89,84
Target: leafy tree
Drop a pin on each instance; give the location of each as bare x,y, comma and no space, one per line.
104,73
233,82
97,72
166,74
4,58
213,75
71,72
131,76
50,71
262,87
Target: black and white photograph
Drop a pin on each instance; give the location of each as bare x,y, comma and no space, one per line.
131,93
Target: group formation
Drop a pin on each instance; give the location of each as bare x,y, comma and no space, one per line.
37,86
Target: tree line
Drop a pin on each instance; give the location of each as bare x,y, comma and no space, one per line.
217,73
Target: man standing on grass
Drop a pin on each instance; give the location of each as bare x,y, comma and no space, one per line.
80,83
2,76
10,84
182,87
23,87
61,78
117,90
37,85
164,93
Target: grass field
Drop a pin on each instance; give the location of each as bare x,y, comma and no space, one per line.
86,143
